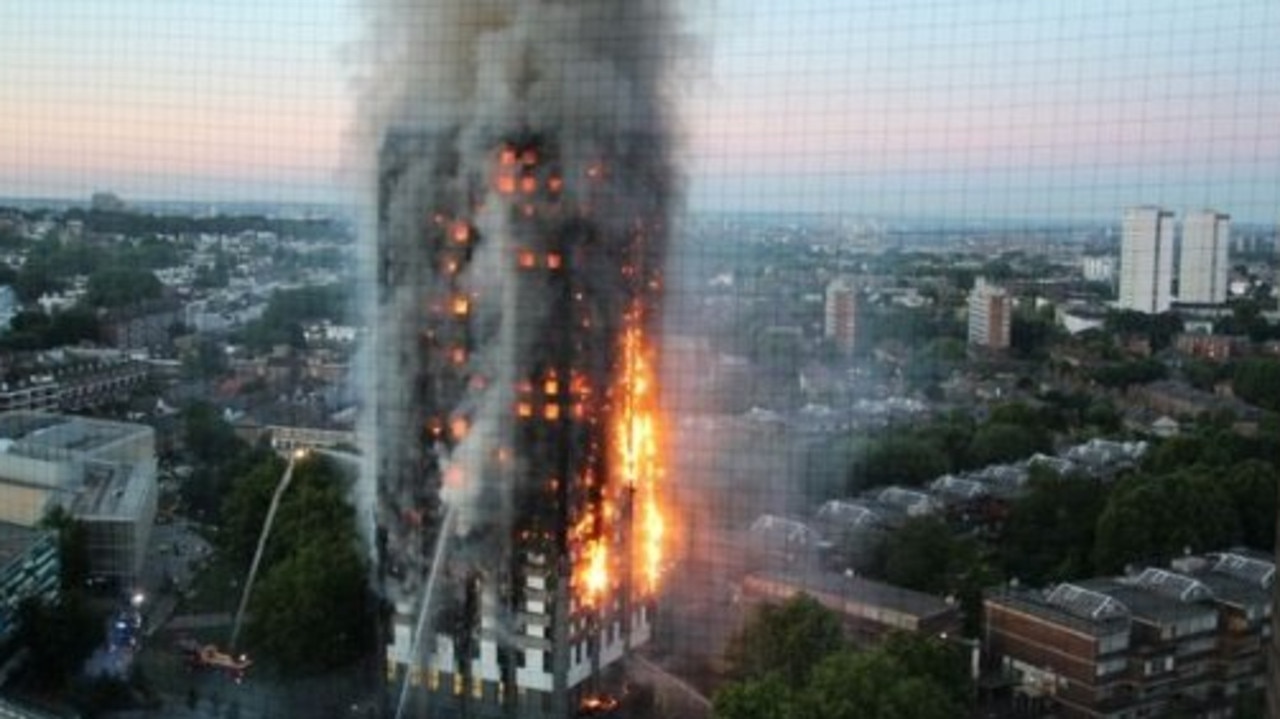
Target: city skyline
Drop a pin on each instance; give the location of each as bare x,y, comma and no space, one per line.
971,109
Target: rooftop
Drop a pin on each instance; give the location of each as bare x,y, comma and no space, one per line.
1148,605
1079,617
27,433
842,588
109,492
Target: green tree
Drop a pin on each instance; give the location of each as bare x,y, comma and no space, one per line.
73,326
1251,486
916,682
244,509
1049,533
34,280
999,442
766,698
34,330
219,457
927,556
934,658
120,286
209,437
1175,453
288,310
951,435
311,607
311,610
784,640
1257,381
1122,375
920,555
59,636
897,459
1103,417
1152,518
905,677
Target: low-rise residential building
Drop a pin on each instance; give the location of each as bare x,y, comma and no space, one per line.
1191,636
73,385
869,609
1212,347
287,439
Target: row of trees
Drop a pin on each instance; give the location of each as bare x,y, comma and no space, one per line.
954,443
1208,491
791,661
50,264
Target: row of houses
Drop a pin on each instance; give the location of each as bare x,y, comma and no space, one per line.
1192,636
72,382
971,496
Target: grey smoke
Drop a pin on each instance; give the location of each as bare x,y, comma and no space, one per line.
461,76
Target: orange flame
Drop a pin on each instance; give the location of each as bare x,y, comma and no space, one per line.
594,573
636,440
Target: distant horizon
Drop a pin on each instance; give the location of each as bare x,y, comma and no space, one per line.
1063,109
151,204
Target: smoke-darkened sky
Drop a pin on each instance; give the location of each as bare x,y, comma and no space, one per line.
969,107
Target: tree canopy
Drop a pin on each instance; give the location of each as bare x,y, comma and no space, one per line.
785,640
1257,381
1152,518
35,330
905,677
310,607
121,286
288,310
897,459
1049,533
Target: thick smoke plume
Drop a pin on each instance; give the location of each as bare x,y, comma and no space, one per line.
453,82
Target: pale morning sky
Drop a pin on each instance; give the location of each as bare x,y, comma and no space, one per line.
980,108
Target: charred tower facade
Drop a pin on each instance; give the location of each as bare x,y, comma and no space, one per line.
516,436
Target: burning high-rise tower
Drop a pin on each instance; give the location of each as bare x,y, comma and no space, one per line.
524,190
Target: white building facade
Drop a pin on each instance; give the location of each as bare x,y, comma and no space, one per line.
1098,268
1203,269
1146,260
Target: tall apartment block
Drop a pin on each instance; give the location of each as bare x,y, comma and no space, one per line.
1203,269
1146,260
517,460
840,316
990,315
